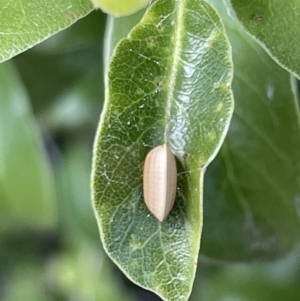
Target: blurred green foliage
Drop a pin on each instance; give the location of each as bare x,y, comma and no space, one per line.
50,250
49,243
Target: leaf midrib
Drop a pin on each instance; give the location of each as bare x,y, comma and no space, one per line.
174,65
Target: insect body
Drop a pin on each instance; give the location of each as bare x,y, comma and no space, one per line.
160,180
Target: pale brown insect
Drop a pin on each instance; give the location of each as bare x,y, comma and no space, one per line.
160,181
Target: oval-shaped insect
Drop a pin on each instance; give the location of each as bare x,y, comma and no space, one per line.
160,181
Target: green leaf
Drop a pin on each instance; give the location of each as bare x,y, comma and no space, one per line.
116,29
276,281
86,273
73,186
169,81
119,8
252,188
56,67
24,24
26,185
26,283
77,109
275,25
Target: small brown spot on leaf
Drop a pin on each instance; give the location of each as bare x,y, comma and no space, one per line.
73,16
149,41
257,17
159,27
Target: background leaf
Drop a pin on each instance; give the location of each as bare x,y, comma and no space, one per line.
24,24
25,174
86,274
275,24
276,281
168,81
252,191
63,76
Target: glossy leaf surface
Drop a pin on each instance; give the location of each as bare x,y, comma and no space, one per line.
252,189
24,24
169,81
275,24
